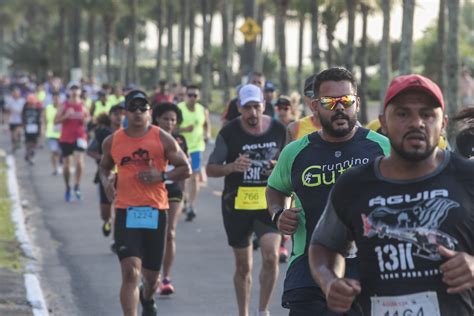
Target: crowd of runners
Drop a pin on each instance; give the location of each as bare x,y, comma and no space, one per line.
381,218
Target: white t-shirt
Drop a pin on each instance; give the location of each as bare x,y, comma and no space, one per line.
15,106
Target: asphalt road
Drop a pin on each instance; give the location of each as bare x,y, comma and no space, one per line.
81,276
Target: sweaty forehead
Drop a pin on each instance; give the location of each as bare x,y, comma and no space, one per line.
411,98
335,88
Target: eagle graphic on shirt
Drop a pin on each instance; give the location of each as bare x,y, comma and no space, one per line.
418,225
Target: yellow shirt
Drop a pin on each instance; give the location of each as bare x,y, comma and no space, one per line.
305,126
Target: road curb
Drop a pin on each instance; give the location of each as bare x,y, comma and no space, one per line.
33,289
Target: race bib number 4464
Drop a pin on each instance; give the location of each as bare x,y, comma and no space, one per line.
419,304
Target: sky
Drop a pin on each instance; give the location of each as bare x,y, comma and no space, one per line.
426,13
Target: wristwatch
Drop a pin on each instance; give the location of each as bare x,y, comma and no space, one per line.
276,216
164,177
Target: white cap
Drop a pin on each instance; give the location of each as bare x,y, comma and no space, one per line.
250,93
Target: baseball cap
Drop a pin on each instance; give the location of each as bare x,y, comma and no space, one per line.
269,86
134,95
413,82
283,100
249,93
308,86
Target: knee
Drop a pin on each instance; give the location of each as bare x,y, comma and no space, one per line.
171,235
270,258
130,274
243,270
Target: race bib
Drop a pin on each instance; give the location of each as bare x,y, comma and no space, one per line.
250,199
81,143
142,217
168,169
32,128
419,304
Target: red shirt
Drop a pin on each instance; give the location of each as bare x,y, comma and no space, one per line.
74,127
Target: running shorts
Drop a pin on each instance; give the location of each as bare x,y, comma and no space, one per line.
53,145
31,138
14,126
196,158
174,192
67,149
146,244
239,225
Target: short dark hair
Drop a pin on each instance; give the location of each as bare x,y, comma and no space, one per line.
103,119
162,108
333,74
192,86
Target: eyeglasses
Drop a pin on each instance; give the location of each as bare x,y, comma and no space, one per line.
330,103
192,95
309,94
141,107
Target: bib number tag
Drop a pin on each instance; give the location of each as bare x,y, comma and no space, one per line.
250,199
142,217
81,143
419,304
32,128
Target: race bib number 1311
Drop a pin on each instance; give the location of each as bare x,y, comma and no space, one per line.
419,304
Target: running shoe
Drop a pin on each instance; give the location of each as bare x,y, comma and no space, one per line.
106,229
77,193
166,288
190,214
148,307
67,195
283,254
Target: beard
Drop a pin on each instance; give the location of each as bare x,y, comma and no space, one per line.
416,155
328,128
252,121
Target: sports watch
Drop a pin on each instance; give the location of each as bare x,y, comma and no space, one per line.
164,177
276,216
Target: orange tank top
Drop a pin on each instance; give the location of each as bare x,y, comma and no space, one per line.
132,155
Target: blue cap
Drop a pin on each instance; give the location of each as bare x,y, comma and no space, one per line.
269,87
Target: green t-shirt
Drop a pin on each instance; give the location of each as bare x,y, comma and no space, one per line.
197,118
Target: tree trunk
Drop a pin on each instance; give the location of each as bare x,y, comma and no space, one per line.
363,65
280,28
407,37
61,42
441,47
108,26
159,48
259,44
91,42
299,76
351,8
232,38
206,54
452,59
182,39
169,48
133,43
75,32
248,54
192,25
2,44
385,53
226,33
315,53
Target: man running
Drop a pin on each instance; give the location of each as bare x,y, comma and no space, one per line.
196,128
308,168
141,153
53,131
32,121
73,116
410,215
245,153
14,106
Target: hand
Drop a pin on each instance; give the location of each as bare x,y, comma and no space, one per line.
151,175
241,164
288,221
109,188
188,129
340,293
458,270
69,113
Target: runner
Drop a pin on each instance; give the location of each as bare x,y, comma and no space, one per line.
196,128
101,105
245,153
308,168
73,116
14,106
141,153
53,132
32,121
409,214
167,115
465,136
106,125
284,110
307,124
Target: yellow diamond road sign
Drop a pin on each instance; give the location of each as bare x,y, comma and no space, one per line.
250,29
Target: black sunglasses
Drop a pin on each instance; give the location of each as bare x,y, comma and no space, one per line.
192,95
141,107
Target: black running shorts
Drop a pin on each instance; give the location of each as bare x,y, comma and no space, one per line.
31,138
146,244
174,192
239,225
67,149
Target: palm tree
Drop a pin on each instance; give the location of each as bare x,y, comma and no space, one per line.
75,31
110,11
282,6
169,49
407,37
331,15
248,54
206,53
182,38
132,70
385,52
261,11
441,46
227,12
452,57
191,26
315,52
349,54
365,9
